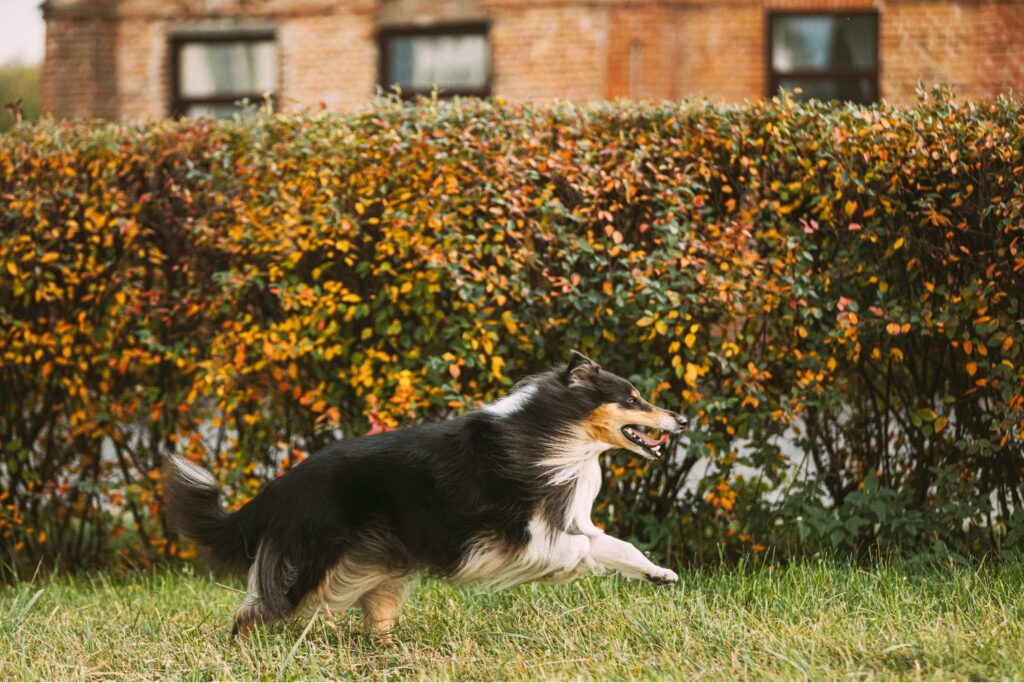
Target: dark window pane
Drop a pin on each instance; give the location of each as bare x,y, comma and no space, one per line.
216,69
457,62
823,42
851,89
401,61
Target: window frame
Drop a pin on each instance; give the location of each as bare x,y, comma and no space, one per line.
449,29
774,78
180,104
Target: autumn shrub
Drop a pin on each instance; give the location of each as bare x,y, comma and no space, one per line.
832,292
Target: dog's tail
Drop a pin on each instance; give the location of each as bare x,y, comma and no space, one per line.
191,494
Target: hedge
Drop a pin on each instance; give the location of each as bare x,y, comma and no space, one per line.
833,293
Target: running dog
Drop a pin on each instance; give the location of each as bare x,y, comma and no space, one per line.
500,496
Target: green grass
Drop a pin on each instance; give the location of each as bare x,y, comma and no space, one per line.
816,621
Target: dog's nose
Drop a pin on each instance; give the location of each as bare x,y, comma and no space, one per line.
682,421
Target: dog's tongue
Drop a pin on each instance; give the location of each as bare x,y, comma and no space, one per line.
649,441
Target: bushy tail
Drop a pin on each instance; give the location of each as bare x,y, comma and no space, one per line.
191,495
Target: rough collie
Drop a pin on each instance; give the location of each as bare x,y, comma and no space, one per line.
500,496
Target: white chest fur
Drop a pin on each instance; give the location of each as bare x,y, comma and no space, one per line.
588,483
551,554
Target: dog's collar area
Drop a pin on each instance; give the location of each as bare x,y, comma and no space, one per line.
637,435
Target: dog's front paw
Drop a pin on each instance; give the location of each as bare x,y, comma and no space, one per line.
662,576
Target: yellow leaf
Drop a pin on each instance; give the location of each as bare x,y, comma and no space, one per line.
972,368
645,322
496,364
897,244
940,423
510,324
607,287
49,257
690,340
851,207
693,371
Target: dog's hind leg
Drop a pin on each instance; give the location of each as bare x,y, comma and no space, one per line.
250,613
247,617
348,581
382,604
269,593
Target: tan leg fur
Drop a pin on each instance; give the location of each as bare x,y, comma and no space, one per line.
382,604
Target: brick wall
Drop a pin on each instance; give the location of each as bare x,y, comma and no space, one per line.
328,60
722,55
111,57
79,71
976,47
644,52
143,68
550,50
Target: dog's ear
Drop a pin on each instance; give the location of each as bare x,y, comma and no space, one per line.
579,369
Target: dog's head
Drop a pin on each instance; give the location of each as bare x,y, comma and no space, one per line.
617,414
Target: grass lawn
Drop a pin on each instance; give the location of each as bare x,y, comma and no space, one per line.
817,621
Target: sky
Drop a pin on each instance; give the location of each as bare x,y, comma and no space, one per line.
21,31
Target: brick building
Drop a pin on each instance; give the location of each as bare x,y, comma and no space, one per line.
153,58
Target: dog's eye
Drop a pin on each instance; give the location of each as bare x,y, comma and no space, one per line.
632,401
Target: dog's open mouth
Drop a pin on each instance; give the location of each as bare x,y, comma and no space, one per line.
651,440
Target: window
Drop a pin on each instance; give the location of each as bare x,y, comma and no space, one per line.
455,60
213,74
828,56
